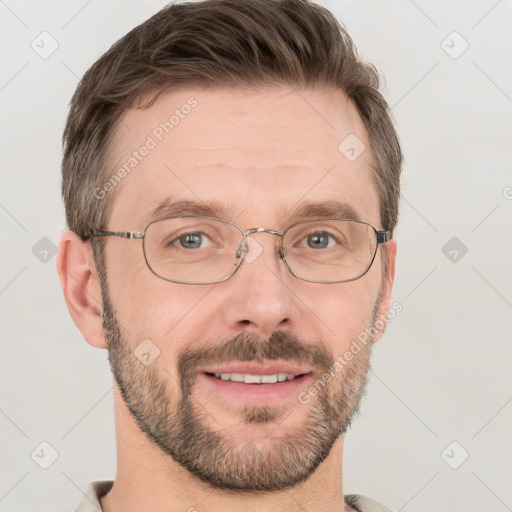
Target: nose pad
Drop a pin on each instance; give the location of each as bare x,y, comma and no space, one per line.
254,249
242,249
250,250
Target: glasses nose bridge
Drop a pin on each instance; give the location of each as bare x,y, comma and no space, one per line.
265,230
251,231
262,230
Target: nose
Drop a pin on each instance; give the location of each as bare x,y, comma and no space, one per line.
260,298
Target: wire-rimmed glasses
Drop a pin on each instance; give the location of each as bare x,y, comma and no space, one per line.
207,250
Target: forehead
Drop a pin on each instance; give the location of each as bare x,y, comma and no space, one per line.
257,155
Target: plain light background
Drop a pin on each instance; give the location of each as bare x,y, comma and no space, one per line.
440,389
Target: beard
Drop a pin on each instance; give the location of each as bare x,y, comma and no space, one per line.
167,411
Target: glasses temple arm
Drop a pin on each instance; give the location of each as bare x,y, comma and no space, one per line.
130,235
384,236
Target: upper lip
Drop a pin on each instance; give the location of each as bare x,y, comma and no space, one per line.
258,369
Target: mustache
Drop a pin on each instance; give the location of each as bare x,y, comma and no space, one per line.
245,347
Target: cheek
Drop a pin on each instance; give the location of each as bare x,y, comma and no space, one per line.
161,309
344,312
126,270
148,307
138,296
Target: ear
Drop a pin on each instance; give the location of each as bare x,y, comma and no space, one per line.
81,287
388,278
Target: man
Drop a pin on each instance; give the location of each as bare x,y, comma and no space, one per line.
231,182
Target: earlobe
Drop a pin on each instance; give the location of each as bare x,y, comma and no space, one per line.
388,279
81,287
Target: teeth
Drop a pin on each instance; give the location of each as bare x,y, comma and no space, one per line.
255,379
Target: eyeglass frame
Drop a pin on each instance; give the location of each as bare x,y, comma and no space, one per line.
381,237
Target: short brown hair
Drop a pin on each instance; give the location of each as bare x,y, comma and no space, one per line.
218,43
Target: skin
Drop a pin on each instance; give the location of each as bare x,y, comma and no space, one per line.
261,153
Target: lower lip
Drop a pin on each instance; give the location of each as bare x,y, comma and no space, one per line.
258,394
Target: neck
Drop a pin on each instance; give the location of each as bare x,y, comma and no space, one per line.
148,479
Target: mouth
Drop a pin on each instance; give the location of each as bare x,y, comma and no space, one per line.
257,385
248,378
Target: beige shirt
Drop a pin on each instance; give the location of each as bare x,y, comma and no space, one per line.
93,493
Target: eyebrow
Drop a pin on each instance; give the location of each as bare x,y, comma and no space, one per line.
170,208
328,209
324,210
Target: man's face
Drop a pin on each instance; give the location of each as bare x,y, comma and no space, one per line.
259,156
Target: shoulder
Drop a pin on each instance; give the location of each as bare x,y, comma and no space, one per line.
364,504
92,495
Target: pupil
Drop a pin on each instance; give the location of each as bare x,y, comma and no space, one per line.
190,241
318,241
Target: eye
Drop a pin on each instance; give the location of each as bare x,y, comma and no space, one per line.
192,240
320,240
